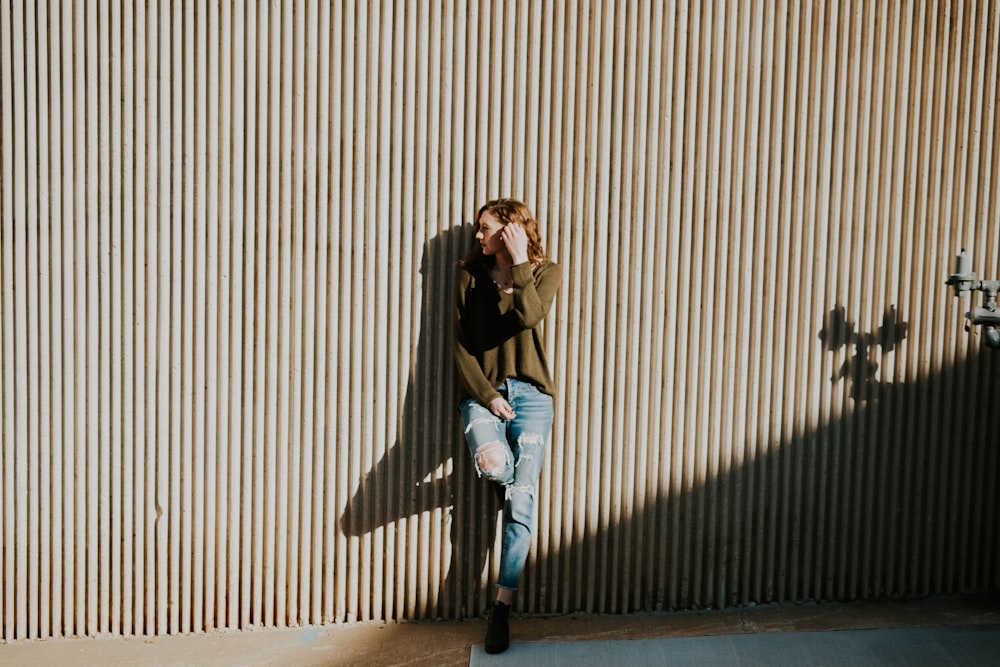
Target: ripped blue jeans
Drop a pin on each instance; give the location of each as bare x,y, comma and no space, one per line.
510,453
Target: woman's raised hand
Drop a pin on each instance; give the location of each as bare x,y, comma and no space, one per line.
516,241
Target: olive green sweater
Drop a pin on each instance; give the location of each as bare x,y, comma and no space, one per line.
497,334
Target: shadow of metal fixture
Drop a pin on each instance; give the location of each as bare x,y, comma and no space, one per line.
861,369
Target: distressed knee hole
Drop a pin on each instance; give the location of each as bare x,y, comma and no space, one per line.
528,444
492,458
530,439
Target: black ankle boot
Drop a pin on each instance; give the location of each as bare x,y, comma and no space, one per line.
498,632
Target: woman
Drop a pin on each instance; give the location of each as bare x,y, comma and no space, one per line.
505,288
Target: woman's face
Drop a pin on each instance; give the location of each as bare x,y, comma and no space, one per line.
489,234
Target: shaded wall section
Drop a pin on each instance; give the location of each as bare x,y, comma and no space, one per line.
228,246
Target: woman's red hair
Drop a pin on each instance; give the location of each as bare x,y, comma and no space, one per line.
509,211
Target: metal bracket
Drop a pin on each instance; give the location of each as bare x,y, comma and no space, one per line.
964,281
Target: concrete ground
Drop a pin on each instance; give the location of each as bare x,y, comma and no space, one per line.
447,644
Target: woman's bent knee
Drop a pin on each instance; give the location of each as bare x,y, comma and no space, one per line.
493,460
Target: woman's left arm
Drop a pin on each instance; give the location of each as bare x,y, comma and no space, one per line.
534,291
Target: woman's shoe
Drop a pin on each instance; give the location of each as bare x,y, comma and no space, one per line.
498,632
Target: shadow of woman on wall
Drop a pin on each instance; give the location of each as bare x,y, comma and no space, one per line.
424,494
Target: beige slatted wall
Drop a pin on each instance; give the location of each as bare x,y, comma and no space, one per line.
228,246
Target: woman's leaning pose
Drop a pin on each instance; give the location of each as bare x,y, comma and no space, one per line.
505,288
